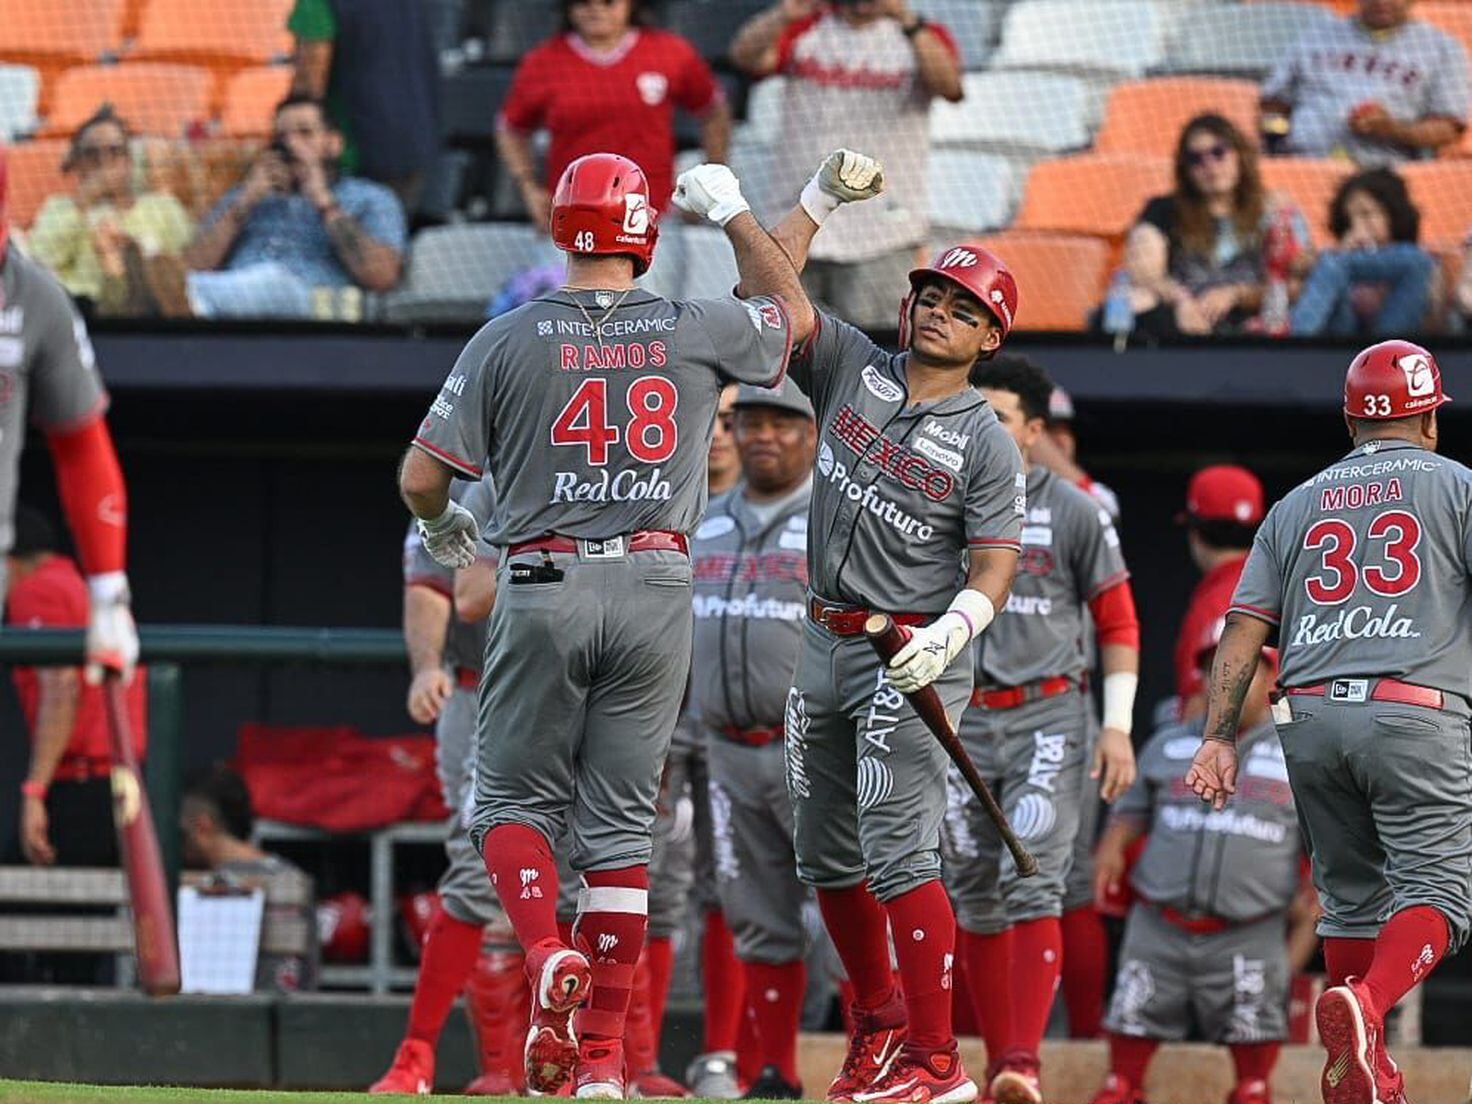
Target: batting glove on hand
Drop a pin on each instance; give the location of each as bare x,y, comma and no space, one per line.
843,177
929,652
451,537
112,638
712,192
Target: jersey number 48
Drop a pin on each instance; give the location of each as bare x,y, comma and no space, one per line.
650,434
1334,539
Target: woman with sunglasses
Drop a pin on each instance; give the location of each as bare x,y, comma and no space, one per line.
106,243
1195,257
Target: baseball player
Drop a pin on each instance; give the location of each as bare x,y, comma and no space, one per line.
1058,449
1363,572
1028,732
750,558
916,511
594,405
444,633
1206,938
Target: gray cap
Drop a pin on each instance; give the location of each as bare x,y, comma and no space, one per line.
785,396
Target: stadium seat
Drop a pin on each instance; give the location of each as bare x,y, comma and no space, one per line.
470,101
1121,38
35,173
1443,192
711,24
989,118
75,31
251,96
1310,183
1241,39
510,30
710,264
20,92
222,32
1095,193
971,191
154,97
454,270
974,24
1061,277
1452,16
1148,116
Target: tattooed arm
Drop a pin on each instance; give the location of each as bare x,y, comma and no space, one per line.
1213,773
373,265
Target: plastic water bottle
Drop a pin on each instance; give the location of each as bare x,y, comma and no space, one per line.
1119,312
1280,250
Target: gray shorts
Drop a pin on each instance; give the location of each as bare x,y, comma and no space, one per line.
1384,796
1233,985
465,887
865,293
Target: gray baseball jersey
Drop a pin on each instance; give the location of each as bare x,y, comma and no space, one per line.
1414,72
1364,570
1070,554
1238,864
595,409
47,369
902,490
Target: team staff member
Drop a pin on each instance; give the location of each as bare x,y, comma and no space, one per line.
750,557
594,405
1224,505
917,510
1206,939
1028,729
1364,572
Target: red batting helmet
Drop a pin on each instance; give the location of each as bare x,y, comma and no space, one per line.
981,273
1394,379
602,206
343,927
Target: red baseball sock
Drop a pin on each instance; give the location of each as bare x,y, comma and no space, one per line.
1037,961
859,928
613,911
725,984
748,1041
1129,1058
1085,962
1254,1061
1346,958
925,944
450,950
989,976
639,1053
774,994
524,874
1411,943
495,996
661,953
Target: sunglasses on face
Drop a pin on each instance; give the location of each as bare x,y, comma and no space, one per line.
99,154
1198,157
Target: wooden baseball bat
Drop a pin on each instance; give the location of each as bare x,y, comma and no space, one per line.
887,638
153,920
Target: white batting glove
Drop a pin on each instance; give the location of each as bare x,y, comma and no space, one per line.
451,537
843,177
712,192
929,652
112,637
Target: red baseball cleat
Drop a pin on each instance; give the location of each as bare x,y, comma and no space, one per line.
1118,1090
412,1070
872,1048
1251,1092
600,1070
922,1077
561,981
495,1083
1349,1028
1017,1079
655,1084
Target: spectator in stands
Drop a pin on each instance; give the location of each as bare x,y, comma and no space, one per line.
859,73
1461,314
608,81
294,225
108,244
1195,257
1376,86
373,63
1378,280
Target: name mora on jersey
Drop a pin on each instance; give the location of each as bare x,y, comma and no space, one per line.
628,485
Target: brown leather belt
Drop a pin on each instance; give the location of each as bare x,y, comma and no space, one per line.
849,621
752,737
645,540
467,678
1010,697
1379,690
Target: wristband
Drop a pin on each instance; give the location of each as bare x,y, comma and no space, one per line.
1119,700
37,790
439,524
817,203
974,608
109,588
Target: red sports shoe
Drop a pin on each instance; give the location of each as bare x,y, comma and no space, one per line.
655,1084
1017,1080
495,1083
600,1070
1349,1028
411,1072
1118,1090
922,1077
561,981
1251,1092
872,1048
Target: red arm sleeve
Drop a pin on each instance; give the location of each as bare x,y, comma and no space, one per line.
92,494
1115,619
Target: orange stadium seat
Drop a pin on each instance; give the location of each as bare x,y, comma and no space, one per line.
1061,277
1310,183
1092,193
62,30
153,98
35,173
251,96
1338,7
1443,192
1148,116
223,32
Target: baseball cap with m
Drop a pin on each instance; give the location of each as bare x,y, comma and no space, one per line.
785,396
1223,492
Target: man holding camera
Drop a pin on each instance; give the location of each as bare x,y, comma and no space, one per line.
295,228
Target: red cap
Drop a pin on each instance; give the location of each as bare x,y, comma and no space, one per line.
1224,492
601,206
1394,379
